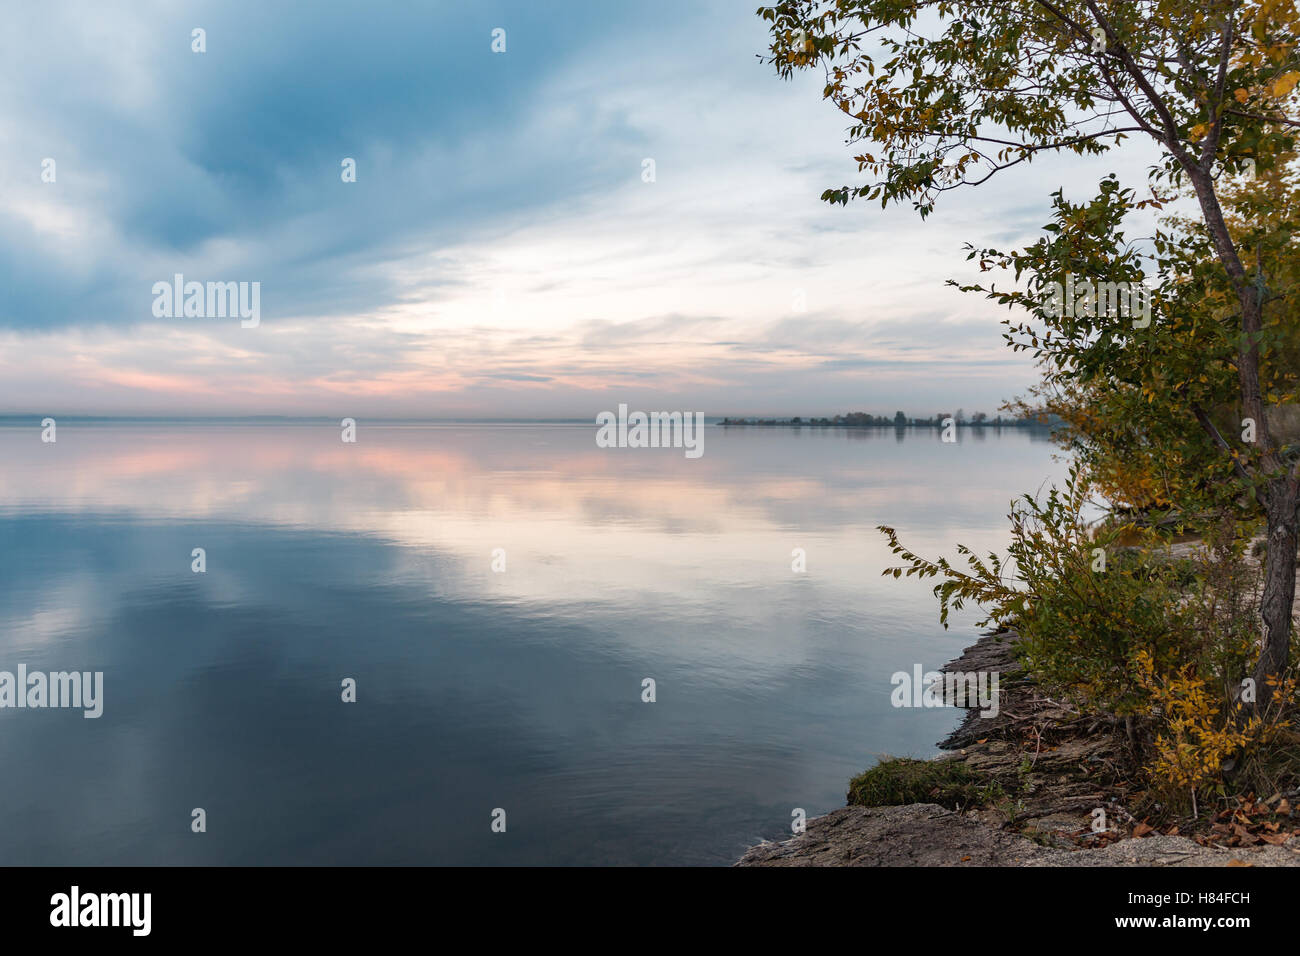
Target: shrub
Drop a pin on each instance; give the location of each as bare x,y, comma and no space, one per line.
1083,604
1197,736
1107,615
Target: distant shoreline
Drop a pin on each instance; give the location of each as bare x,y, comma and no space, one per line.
855,420
868,421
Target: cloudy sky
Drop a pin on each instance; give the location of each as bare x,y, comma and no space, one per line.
500,253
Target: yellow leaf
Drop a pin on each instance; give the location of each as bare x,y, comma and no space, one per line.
1285,83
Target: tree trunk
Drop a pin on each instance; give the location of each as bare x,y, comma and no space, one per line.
1281,497
1279,588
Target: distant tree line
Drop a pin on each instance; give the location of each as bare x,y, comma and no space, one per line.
901,420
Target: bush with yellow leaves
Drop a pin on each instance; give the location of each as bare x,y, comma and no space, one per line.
1197,738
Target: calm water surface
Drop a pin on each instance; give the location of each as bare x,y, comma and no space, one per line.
476,690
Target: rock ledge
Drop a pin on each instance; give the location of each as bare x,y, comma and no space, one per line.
925,834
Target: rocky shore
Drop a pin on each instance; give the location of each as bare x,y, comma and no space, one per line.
925,834
1050,768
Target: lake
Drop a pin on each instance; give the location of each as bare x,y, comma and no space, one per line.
517,688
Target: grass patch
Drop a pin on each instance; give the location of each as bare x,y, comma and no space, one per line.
897,781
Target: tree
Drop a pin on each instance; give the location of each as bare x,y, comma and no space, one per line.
1150,456
952,92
